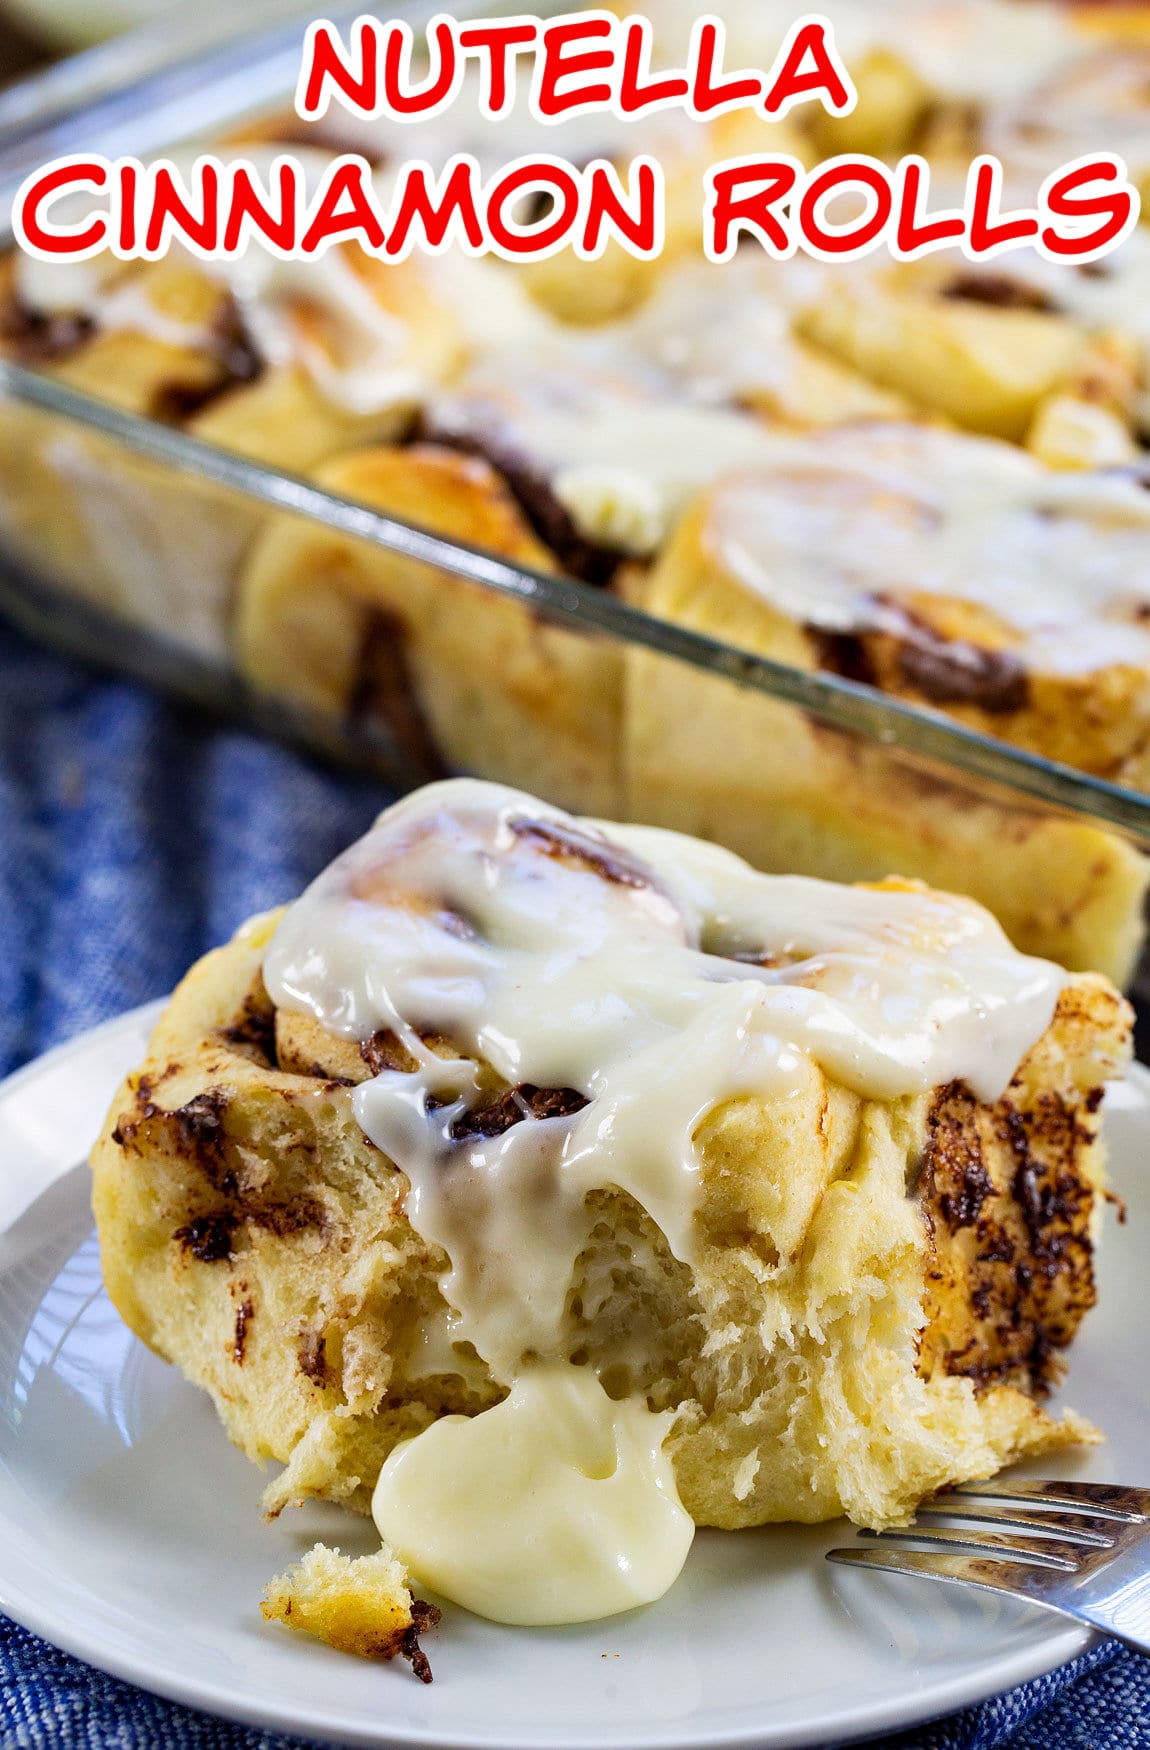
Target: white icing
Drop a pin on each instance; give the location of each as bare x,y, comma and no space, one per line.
490,304
1096,102
59,287
358,355
628,420
618,451
716,333
652,978
358,363
975,50
617,506
125,306
556,1506
1111,295
853,518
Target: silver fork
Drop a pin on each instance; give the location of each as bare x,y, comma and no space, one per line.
1082,1549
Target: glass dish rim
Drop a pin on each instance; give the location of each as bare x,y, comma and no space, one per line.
838,703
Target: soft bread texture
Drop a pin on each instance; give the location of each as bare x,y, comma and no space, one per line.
360,1605
761,777
879,1290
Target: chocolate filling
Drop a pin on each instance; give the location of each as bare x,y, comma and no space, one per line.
1028,1270
253,1032
525,1101
951,671
312,1357
39,337
580,557
843,653
947,671
567,845
384,693
197,1135
208,1237
245,1312
423,1617
239,362
385,1050
998,291
198,1124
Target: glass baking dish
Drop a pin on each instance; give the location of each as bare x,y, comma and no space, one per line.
382,644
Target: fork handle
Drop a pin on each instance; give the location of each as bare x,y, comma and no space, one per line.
1126,1619
1115,1598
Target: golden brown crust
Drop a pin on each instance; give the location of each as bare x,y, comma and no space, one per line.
357,1605
351,629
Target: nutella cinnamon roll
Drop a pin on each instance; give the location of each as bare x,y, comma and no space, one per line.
947,570
521,1140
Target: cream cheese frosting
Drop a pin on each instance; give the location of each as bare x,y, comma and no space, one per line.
845,524
1094,102
621,454
568,1502
649,978
359,360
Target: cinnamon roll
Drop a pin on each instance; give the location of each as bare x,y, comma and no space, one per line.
947,570
283,363
522,1141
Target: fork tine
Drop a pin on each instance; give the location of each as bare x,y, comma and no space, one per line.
1107,1500
1047,1552
1073,1527
1018,1579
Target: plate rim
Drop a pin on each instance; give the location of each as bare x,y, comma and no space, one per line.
902,1711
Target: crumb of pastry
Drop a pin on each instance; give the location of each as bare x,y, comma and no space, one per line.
357,1604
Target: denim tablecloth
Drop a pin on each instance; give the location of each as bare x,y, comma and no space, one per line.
132,837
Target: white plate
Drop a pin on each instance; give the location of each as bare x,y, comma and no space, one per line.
130,1531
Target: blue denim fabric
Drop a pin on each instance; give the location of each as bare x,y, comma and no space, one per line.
133,836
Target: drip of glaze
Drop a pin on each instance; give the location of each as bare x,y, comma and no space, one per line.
556,1506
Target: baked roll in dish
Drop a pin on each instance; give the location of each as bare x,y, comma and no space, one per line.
947,570
551,1187
578,460
576,464
725,336
453,674
986,348
283,363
